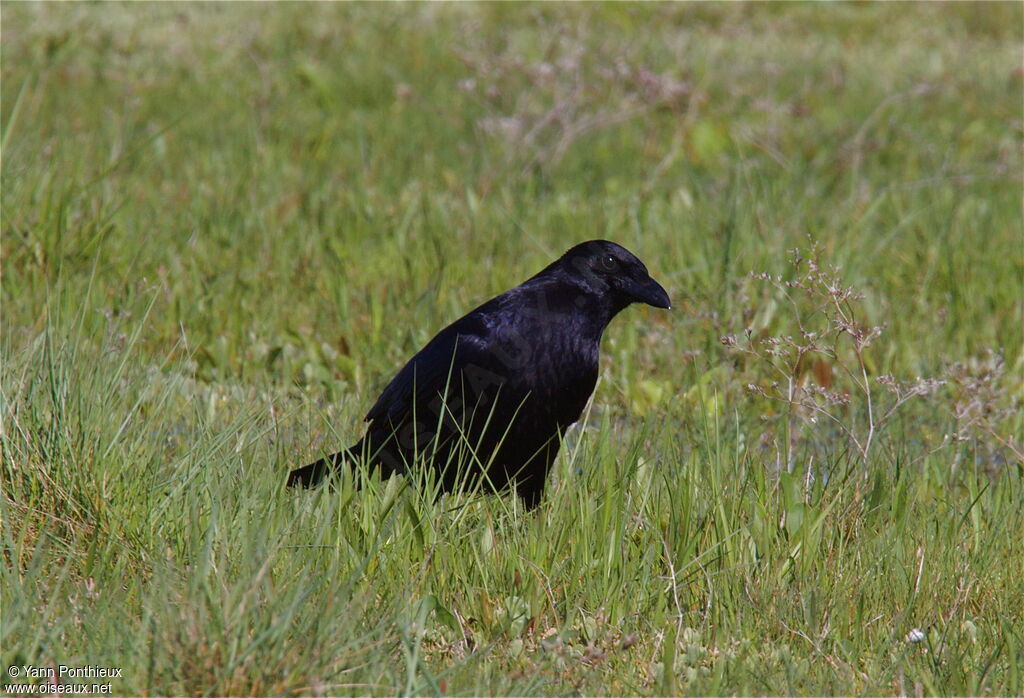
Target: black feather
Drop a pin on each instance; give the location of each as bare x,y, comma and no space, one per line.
494,392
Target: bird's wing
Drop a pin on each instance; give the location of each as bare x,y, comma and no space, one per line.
462,344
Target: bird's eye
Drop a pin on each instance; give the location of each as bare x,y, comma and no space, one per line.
608,263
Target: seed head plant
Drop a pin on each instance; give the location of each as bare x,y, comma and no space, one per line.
983,406
820,371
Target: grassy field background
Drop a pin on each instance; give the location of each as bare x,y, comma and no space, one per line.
224,227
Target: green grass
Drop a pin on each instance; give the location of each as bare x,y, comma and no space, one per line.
224,227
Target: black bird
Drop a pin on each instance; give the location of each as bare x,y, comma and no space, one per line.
493,393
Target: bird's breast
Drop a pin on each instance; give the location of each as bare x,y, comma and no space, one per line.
554,372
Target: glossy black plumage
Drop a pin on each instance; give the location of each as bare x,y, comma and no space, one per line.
494,392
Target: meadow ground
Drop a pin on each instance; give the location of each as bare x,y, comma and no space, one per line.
225,226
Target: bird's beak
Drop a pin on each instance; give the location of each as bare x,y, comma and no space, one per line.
649,292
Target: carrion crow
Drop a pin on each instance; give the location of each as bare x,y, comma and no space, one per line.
493,393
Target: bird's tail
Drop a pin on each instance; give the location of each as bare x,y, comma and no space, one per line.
313,474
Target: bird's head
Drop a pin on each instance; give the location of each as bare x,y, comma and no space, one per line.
613,274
